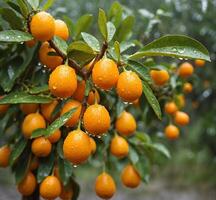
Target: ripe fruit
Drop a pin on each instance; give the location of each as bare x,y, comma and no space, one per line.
96,119
119,147
80,91
199,63
55,136
32,122
170,107
31,43
125,124
130,177
28,108
91,97
47,110
171,132
61,29
66,194
50,188
3,107
160,77
105,74
93,145
187,88
181,118
41,147
185,70
27,186
181,101
129,86
34,164
50,61
105,186
63,81
4,156
42,26
77,147
76,115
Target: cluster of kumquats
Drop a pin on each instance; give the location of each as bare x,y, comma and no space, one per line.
173,107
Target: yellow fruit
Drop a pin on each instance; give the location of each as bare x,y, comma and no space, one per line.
93,145
93,97
55,136
5,152
41,147
47,110
171,132
29,108
181,118
187,88
185,70
160,77
199,63
170,108
80,91
61,29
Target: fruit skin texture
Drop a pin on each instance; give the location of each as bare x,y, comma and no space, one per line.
76,115
130,177
61,29
91,97
171,132
80,91
181,118
105,186
170,108
50,188
32,122
187,88
29,108
66,194
42,26
77,147
199,63
96,119
185,70
119,147
105,74
41,147
63,81
129,86
125,124
50,61
160,77
28,184
4,156
47,110
55,136
93,145
3,108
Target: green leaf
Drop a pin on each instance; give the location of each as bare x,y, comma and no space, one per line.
120,106
152,100
17,150
59,122
178,46
143,137
45,167
124,46
102,23
125,28
91,41
117,50
140,69
111,29
60,148
143,167
23,97
48,4
87,88
14,36
11,17
76,189
80,46
34,3
39,89
65,170
161,149
23,7
70,24
82,24
14,6
115,13
133,155
61,44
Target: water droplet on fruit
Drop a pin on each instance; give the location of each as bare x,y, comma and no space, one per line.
75,166
54,87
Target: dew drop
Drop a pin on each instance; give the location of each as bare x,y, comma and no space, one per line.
174,49
54,87
75,166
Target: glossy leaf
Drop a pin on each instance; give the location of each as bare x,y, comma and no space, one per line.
60,148
161,149
34,3
133,155
39,89
48,4
178,46
111,29
102,23
91,41
14,36
115,13
61,44
80,46
23,7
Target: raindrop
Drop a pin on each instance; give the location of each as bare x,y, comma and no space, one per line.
98,136
174,49
181,50
75,166
126,103
180,58
7,37
54,87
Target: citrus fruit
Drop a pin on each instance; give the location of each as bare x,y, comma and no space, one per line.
31,43
77,147
41,147
93,97
5,152
61,29
185,70
50,187
80,91
160,77
130,177
199,63
105,74
34,164
32,122
187,88
66,194
180,101
55,136
3,107
73,120
28,185
50,61
171,132
29,108
63,81
105,186
129,86
119,147
96,119
47,110
181,118
125,124
170,107
93,145
42,26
